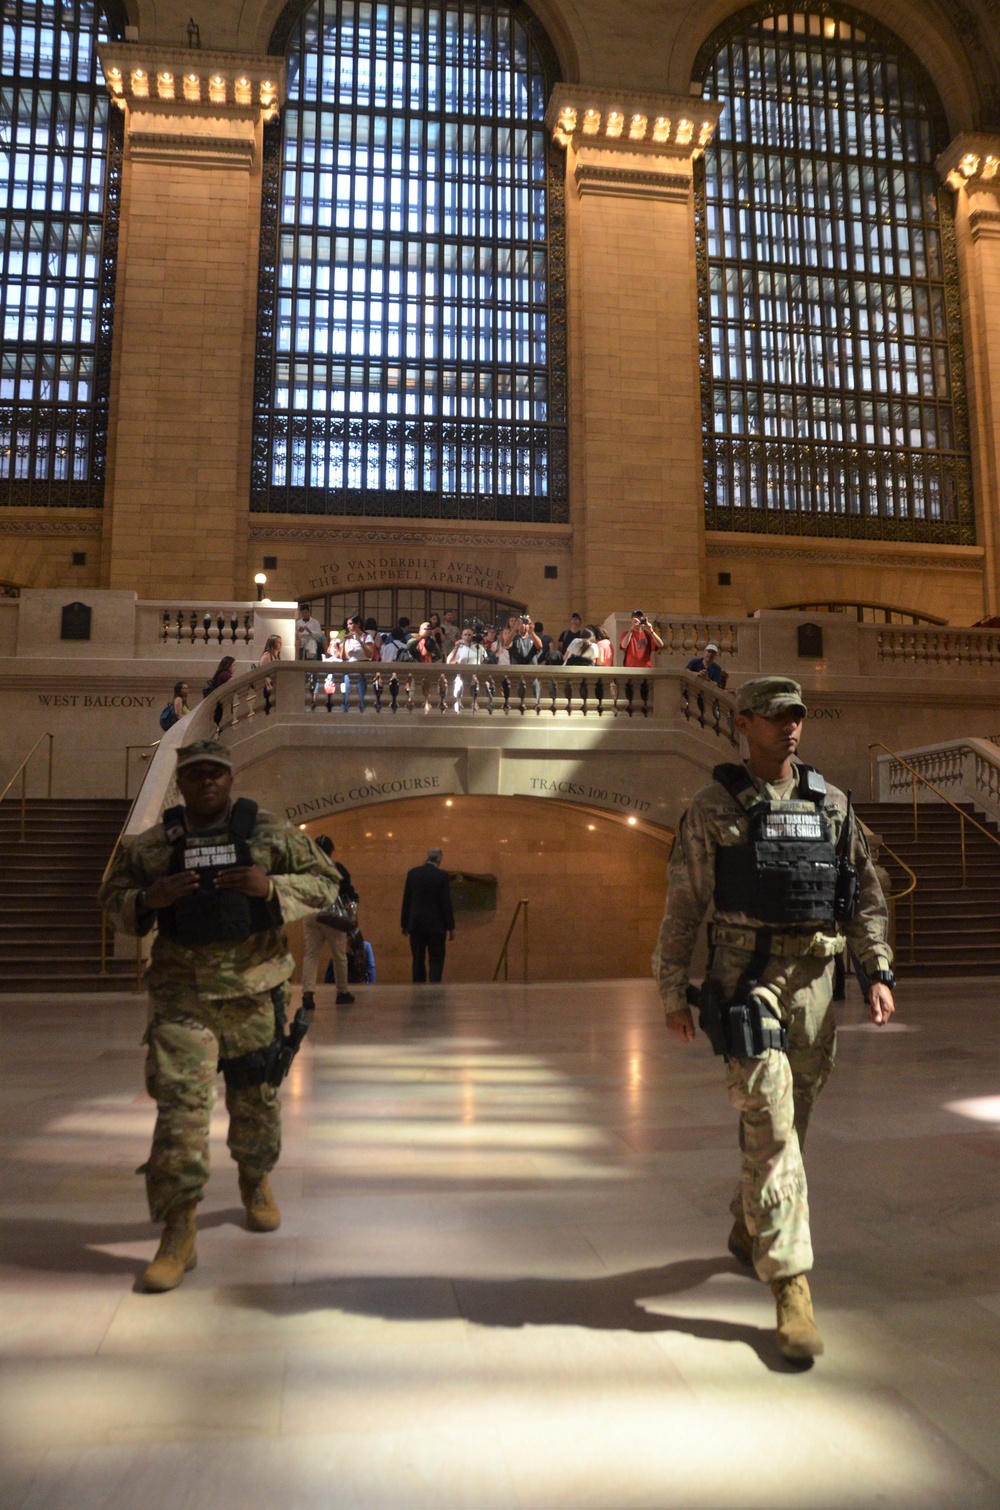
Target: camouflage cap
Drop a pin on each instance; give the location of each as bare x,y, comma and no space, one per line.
768,695
210,750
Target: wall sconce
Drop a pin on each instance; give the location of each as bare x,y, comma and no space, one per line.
140,83
217,89
567,119
242,91
591,122
661,128
165,86
192,87
261,581
685,131
615,122
637,128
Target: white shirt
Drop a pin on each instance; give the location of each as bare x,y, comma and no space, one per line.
355,649
306,631
469,655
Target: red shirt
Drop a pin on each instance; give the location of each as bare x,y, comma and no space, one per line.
638,648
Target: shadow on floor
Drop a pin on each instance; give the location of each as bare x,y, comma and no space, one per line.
76,1247
614,1302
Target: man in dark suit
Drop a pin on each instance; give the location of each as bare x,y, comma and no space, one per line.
427,916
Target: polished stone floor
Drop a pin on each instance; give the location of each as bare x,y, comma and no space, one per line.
502,1280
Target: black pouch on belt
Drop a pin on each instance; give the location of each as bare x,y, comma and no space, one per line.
269,1065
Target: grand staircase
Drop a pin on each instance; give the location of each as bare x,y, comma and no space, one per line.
957,929
50,923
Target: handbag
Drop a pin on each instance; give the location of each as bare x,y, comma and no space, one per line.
342,915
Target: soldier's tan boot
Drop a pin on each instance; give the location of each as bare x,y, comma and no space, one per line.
741,1243
262,1209
176,1253
798,1334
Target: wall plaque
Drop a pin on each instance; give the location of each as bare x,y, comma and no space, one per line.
810,637
75,622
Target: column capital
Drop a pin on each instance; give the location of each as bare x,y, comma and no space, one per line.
971,166
624,120
628,144
189,106
972,162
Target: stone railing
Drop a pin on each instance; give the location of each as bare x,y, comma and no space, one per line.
685,637
370,690
903,645
232,625
422,697
207,631
964,770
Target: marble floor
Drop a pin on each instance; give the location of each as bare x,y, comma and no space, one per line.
501,1279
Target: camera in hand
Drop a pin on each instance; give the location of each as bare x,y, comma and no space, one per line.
478,629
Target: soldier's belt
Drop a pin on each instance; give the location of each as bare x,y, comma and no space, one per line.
780,945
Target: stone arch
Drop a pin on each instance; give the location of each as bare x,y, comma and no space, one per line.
937,47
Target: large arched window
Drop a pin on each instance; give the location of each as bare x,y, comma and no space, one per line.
833,394
410,356
60,161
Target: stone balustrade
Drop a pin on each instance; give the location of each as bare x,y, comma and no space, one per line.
964,770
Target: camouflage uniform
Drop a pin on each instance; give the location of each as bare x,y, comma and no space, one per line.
775,1093
210,1001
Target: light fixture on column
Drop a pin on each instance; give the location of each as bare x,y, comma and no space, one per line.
261,581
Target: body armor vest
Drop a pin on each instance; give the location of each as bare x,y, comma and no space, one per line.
786,872
209,916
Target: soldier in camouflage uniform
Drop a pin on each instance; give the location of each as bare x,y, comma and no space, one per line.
212,1000
792,965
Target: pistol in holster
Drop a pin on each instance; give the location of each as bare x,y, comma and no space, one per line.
740,1027
269,1065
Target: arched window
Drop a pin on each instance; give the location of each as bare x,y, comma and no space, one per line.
833,392
411,346
60,168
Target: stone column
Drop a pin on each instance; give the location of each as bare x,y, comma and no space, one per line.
637,501
185,316
971,167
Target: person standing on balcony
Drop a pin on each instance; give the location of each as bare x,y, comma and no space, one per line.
707,665
219,879
639,642
355,649
782,865
308,635
427,916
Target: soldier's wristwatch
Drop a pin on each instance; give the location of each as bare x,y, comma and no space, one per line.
884,978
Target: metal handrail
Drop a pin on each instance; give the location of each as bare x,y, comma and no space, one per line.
915,777
150,744
502,961
897,896
22,771
107,871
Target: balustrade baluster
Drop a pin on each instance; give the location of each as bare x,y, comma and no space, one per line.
220,625
394,693
233,624
377,686
166,625
442,694
505,689
629,696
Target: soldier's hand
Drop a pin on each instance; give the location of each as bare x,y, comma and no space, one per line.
880,1003
249,879
681,1024
166,891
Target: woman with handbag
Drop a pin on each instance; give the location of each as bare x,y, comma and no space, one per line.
330,928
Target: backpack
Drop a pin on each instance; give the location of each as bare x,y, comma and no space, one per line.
168,717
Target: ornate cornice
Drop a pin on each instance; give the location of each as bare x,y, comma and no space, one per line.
189,81
984,224
191,149
624,120
631,183
11,525
309,534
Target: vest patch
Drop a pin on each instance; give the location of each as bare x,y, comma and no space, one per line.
784,825
200,856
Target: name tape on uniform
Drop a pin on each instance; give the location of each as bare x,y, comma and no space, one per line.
793,826
209,856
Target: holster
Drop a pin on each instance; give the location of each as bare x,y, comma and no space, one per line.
269,1065
739,1029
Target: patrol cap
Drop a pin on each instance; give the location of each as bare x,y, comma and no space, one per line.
768,695
204,749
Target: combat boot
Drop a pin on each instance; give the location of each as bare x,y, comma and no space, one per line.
262,1209
175,1254
741,1243
798,1334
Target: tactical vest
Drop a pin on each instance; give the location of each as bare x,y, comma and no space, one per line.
786,872
209,916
